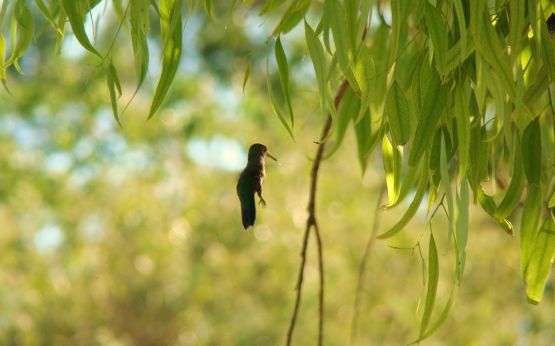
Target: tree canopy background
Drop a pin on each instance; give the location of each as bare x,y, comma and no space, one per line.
131,234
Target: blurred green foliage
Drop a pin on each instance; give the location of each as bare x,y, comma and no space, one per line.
132,235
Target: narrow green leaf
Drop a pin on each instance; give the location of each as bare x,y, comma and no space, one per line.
539,265
396,23
514,191
392,163
113,83
411,210
492,49
366,138
343,44
2,57
246,76
433,278
24,30
517,17
461,21
348,109
442,317
434,103
74,13
461,228
532,152
294,14
529,224
283,69
456,55
547,48
275,106
438,34
446,183
488,204
49,17
319,62
537,87
397,110
139,18
462,116
171,26
551,203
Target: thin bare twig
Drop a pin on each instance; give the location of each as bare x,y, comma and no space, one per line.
363,262
311,222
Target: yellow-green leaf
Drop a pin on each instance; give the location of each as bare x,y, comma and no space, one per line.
171,26
539,265
294,14
529,223
411,210
392,163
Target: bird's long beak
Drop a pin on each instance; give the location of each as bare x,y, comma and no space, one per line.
270,156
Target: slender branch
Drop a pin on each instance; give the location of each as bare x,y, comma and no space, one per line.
363,262
321,295
311,222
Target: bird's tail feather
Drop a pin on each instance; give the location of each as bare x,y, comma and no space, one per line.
248,211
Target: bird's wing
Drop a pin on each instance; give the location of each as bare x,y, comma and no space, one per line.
245,191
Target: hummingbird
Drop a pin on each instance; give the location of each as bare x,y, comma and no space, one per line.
250,182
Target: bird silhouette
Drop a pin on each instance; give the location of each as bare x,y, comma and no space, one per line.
250,182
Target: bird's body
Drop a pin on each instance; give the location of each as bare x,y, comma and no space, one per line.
250,182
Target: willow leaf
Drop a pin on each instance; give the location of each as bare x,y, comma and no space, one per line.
171,26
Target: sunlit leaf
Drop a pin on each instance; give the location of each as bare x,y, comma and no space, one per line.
488,204
539,265
529,224
392,163
411,210
171,25
294,14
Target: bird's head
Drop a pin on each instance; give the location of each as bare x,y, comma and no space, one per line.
259,151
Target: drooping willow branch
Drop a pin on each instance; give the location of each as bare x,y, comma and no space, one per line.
312,223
